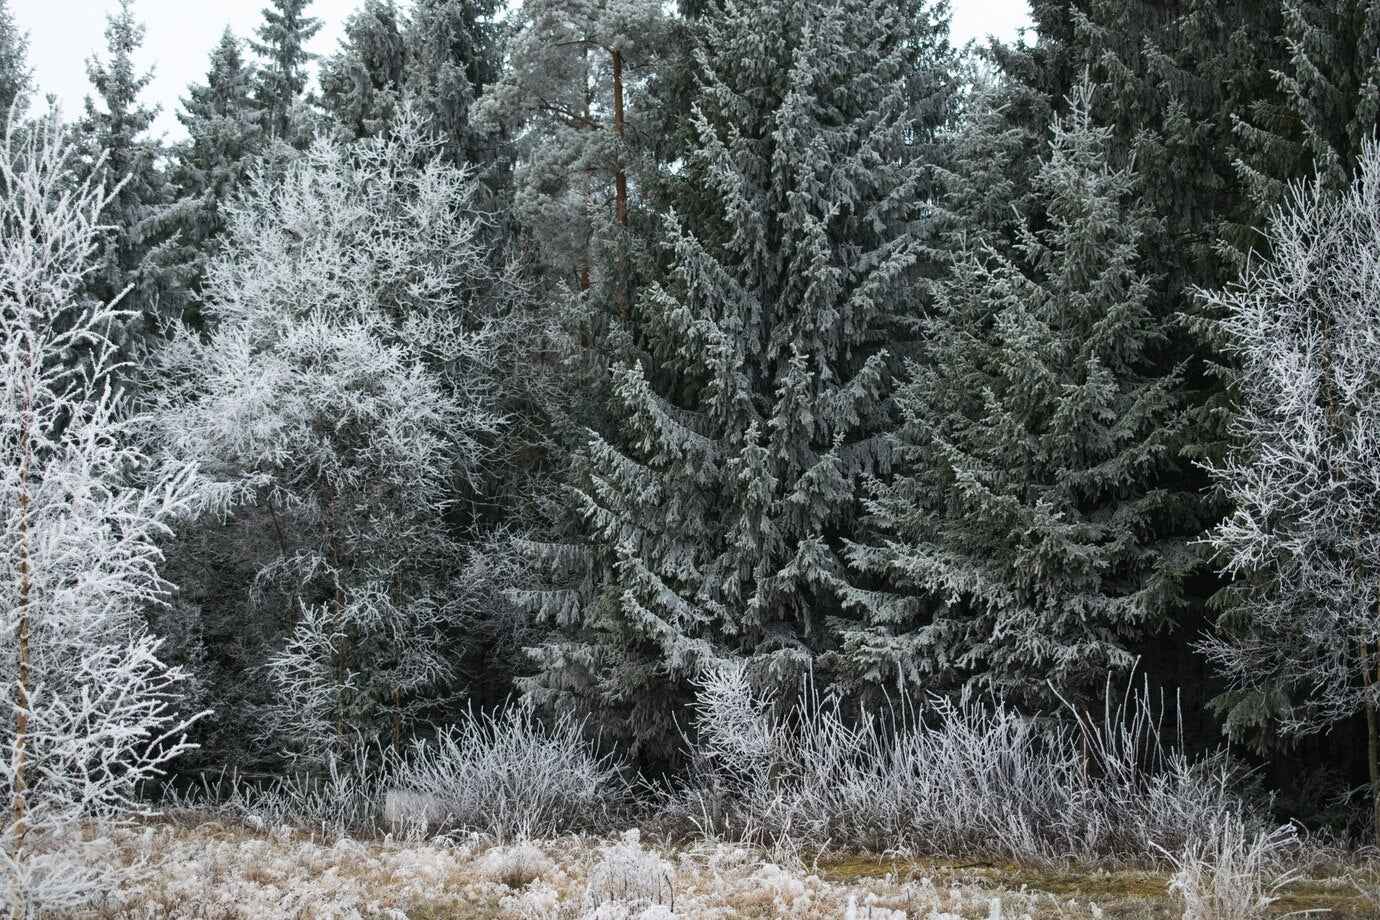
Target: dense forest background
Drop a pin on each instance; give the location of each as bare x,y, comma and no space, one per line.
568,353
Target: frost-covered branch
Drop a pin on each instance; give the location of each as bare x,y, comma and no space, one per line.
1300,640
89,709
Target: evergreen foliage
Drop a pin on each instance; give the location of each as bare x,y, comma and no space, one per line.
137,254
224,136
564,100
454,53
361,84
283,38
1328,103
591,348
1173,77
15,76
1040,515
758,404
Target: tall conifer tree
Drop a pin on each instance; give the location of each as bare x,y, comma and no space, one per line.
224,135
282,44
1040,514
137,253
759,400
566,99
454,53
361,84
1328,103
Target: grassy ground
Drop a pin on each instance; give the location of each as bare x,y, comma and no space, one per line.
218,871
1118,892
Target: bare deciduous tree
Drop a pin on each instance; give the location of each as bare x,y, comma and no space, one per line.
89,710
1300,640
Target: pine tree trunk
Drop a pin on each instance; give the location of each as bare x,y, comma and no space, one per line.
620,184
620,177
588,191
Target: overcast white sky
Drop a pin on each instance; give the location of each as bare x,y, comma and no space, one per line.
181,33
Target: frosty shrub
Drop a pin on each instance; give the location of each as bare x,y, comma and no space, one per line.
1229,870
88,711
511,777
506,776
961,778
516,866
632,878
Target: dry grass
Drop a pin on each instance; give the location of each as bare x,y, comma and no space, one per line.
217,871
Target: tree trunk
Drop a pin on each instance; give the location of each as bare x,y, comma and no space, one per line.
339,606
19,805
620,176
397,667
1372,734
588,191
620,185
290,587
21,717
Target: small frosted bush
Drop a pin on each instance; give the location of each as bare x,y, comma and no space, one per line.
513,778
1231,870
516,866
632,877
507,776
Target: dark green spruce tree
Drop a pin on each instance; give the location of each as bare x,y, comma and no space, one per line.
361,84
15,77
282,46
757,405
1039,516
1175,77
454,53
137,255
1327,105
224,135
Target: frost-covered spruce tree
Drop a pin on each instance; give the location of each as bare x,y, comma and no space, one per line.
347,401
719,510
224,135
282,45
1328,103
14,69
1300,636
1036,517
454,53
137,253
88,711
361,84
